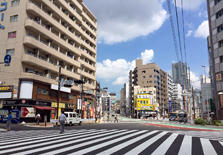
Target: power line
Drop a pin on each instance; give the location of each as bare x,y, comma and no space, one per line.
173,29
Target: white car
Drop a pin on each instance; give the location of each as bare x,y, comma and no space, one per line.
72,118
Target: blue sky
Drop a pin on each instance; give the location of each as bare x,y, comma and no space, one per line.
130,29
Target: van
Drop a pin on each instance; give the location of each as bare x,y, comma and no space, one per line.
72,118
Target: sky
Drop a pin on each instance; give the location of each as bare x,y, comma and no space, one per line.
131,29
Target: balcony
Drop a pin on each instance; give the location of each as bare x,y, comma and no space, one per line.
37,11
32,42
85,54
87,65
68,7
62,15
39,63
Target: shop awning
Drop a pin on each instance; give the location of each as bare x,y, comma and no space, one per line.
43,108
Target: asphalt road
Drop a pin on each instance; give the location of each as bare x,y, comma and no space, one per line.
130,126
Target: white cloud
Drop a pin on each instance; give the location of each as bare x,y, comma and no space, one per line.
117,70
203,30
190,4
123,20
189,33
195,80
147,56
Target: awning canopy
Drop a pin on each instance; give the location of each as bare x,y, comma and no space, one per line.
43,108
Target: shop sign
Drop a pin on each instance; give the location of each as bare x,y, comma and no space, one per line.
6,88
3,8
27,112
54,105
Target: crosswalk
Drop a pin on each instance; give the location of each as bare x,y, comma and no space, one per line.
105,142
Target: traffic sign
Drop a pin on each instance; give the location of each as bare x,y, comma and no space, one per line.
7,59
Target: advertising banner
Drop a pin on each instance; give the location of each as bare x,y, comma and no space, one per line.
27,112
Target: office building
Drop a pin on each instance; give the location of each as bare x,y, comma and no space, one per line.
215,46
149,75
180,74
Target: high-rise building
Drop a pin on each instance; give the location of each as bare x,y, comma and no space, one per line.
180,75
215,41
149,75
40,36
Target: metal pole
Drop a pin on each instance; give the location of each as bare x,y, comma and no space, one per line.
193,101
58,91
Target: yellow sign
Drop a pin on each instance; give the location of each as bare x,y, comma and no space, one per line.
5,88
54,105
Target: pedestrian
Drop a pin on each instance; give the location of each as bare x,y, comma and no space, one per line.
8,123
37,118
62,120
116,119
45,119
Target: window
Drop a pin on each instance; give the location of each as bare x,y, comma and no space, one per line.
10,51
220,28
15,3
220,43
14,18
221,59
12,35
219,13
42,91
217,1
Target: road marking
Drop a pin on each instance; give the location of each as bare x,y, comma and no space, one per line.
51,142
122,145
186,146
162,149
86,143
41,140
146,144
106,143
207,147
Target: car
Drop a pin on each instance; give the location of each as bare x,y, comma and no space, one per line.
182,117
172,116
72,118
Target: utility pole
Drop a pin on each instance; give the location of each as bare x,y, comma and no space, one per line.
58,91
193,101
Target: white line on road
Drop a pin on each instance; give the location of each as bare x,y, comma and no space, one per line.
89,149
162,149
146,144
50,142
86,143
121,146
186,146
207,147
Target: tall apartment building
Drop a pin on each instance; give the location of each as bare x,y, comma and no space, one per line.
149,75
215,17
180,75
40,36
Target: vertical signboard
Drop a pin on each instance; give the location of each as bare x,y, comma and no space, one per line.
3,8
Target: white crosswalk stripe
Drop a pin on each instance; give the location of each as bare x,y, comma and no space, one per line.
186,147
104,142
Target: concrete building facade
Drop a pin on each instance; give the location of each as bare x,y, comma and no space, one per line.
215,17
40,36
149,75
180,75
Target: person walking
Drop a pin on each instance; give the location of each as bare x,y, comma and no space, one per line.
62,120
37,118
116,119
8,123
